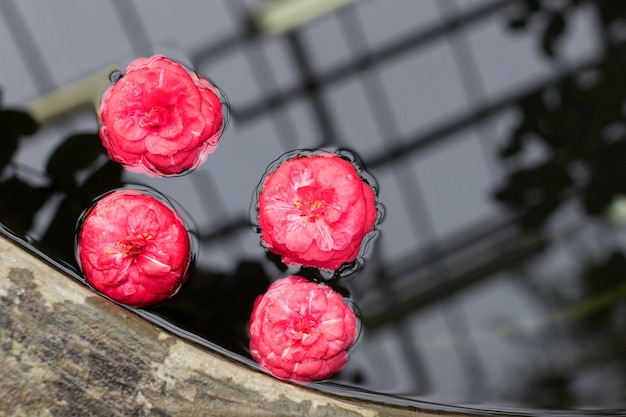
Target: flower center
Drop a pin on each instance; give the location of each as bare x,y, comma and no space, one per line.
133,245
155,118
311,201
302,327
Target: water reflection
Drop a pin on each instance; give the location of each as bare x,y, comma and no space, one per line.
574,352
522,311
578,123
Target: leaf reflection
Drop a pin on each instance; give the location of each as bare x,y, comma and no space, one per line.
580,123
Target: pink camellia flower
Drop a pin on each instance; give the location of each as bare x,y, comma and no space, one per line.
300,331
133,248
160,118
315,211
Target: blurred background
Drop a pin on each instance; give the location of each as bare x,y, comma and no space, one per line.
494,128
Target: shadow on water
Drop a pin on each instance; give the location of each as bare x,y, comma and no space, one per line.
578,122
217,306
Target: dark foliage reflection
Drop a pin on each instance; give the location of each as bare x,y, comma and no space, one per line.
579,123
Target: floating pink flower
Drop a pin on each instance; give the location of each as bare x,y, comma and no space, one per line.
315,211
160,118
300,331
133,248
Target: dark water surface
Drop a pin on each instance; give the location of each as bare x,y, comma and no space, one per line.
498,281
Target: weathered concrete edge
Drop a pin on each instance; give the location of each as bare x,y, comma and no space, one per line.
171,376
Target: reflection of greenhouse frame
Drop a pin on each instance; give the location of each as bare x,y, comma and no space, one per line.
84,92
278,16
